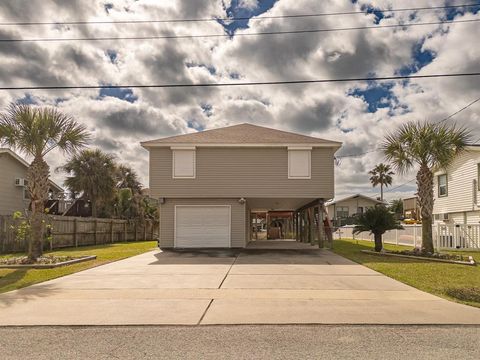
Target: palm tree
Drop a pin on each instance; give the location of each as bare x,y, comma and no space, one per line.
37,131
92,174
377,220
430,147
396,206
381,175
127,178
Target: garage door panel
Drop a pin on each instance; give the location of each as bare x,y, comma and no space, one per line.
202,226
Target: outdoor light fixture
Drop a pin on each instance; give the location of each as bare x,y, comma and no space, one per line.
242,201
161,200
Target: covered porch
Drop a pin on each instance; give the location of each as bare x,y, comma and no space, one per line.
287,223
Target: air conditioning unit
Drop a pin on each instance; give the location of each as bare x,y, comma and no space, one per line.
20,182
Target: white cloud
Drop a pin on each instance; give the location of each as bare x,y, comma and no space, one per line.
324,110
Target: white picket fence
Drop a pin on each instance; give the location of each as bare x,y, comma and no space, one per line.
448,236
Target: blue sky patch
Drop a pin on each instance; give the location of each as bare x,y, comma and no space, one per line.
420,58
451,13
211,69
112,54
120,93
194,124
236,9
376,95
28,99
207,109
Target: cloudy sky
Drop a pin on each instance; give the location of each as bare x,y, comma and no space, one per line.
358,114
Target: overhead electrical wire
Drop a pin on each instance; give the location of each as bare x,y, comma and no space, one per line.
251,83
438,122
263,33
217,19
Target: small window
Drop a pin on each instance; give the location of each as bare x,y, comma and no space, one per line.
299,164
183,163
26,193
342,212
442,185
478,176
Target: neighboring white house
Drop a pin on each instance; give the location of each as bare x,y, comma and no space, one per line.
339,210
456,190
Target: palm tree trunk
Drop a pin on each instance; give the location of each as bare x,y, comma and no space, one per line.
37,175
425,200
381,191
378,242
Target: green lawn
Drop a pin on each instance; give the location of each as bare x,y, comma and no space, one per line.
440,279
11,279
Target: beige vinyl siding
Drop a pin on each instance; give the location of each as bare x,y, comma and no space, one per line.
167,216
11,196
242,172
460,176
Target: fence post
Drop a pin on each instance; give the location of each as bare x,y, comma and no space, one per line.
145,230
415,235
75,238
135,237
95,223
111,231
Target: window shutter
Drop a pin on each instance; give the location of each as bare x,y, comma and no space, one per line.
299,164
184,164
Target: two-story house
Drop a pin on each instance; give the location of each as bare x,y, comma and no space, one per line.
456,190
209,183
13,184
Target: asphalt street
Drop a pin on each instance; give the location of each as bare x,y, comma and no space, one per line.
241,342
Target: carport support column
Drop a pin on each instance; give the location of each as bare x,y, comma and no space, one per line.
321,227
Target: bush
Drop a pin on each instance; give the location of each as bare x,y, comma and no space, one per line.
465,294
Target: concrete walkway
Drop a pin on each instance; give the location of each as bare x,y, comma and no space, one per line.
252,286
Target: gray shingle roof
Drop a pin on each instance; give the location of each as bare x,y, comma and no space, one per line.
242,134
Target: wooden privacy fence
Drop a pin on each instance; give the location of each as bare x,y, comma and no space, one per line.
69,231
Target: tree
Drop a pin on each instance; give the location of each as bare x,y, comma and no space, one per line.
377,220
127,178
396,206
381,175
92,174
430,147
36,131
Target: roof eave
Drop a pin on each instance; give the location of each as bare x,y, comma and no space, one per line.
330,144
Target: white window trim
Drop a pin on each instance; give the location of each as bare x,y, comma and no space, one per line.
194,162
446,185
208,205
304,148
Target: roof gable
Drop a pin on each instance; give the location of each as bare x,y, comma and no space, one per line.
336,201
26,164
242,134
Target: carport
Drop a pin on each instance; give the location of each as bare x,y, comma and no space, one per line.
310,223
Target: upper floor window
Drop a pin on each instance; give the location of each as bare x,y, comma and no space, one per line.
442,185
183,160
299,163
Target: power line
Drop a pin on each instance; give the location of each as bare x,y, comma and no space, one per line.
439,122
458,111
264,33
216,19
253,83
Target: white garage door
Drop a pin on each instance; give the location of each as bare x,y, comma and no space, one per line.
202,226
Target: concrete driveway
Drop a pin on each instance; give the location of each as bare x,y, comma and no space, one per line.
252,286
